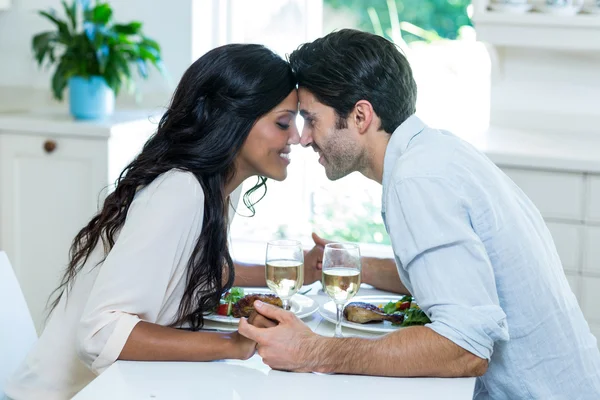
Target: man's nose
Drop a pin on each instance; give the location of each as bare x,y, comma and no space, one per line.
306,138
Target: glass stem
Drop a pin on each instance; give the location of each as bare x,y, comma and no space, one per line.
286,304
338,325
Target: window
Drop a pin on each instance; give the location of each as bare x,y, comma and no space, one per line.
452,71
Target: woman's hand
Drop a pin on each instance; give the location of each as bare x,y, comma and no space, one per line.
244,347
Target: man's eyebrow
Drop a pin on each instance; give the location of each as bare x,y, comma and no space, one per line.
306,114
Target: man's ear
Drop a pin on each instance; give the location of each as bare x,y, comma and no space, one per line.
363,115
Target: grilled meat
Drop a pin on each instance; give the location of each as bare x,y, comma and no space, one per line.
245,305
362,313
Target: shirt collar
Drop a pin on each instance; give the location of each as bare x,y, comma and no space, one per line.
397,145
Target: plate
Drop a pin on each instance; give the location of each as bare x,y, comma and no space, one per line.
329,312
302,306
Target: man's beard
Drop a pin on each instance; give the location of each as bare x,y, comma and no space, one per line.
340,156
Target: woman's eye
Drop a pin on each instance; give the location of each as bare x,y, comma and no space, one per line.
283,126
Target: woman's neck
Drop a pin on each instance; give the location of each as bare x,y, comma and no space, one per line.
238,178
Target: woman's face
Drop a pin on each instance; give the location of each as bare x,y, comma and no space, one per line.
266,150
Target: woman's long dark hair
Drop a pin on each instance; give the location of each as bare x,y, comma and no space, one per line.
212,111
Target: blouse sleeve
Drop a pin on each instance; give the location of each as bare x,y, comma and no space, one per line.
132,281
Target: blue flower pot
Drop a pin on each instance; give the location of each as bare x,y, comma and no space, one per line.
90,98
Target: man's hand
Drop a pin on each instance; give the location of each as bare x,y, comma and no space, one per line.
260,321
286,346
313,260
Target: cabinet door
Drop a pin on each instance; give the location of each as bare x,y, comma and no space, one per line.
49,189
555,194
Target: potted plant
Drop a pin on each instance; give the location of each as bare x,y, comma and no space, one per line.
96,61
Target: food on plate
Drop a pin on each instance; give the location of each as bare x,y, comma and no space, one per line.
361,313
238,304
245,305
404,312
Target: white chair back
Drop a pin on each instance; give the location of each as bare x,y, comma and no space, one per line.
17,332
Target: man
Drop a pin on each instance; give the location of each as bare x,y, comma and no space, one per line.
469,245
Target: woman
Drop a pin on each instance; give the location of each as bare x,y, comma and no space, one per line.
155,257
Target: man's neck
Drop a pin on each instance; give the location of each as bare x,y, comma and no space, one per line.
375,156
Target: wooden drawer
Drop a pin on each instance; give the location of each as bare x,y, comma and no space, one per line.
555,194
590,298
593,201
592,250
567,238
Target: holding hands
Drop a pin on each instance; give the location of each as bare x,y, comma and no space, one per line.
282,340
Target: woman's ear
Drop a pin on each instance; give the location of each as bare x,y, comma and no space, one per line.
363,115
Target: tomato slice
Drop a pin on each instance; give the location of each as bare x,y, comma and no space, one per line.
222,309
404,306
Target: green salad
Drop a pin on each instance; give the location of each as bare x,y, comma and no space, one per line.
406,306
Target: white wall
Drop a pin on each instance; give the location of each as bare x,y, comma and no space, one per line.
168,22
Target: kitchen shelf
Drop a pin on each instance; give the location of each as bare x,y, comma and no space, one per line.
535,29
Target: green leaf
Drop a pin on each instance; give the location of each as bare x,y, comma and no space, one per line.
235,294
148,53
390,307
101,14
60,79
71,13
406,297
150,43
62,26
132,28
43,44
112,78
142,68
415,316
102,55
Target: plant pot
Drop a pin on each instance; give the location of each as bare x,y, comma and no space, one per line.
90,98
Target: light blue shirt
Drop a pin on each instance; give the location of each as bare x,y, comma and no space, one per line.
478,258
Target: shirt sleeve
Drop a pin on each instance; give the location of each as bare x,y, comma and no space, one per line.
132,282
448,266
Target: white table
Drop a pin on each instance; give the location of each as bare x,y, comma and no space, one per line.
252,379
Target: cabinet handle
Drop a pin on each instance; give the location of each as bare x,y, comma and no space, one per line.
49,146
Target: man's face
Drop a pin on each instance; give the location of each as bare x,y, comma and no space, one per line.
339,149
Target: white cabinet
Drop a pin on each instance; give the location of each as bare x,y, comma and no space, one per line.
593,212
46,197
590,299
569,201
53,175
567,239
556,194
592,250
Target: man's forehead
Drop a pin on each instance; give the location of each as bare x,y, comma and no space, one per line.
308,103
305,97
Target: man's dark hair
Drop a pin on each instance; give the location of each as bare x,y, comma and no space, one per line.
350,65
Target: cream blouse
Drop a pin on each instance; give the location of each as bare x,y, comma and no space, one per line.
142,278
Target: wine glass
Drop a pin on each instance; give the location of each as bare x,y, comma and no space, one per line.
284,268
341,276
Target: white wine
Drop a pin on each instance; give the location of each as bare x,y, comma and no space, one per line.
285,277
341,284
